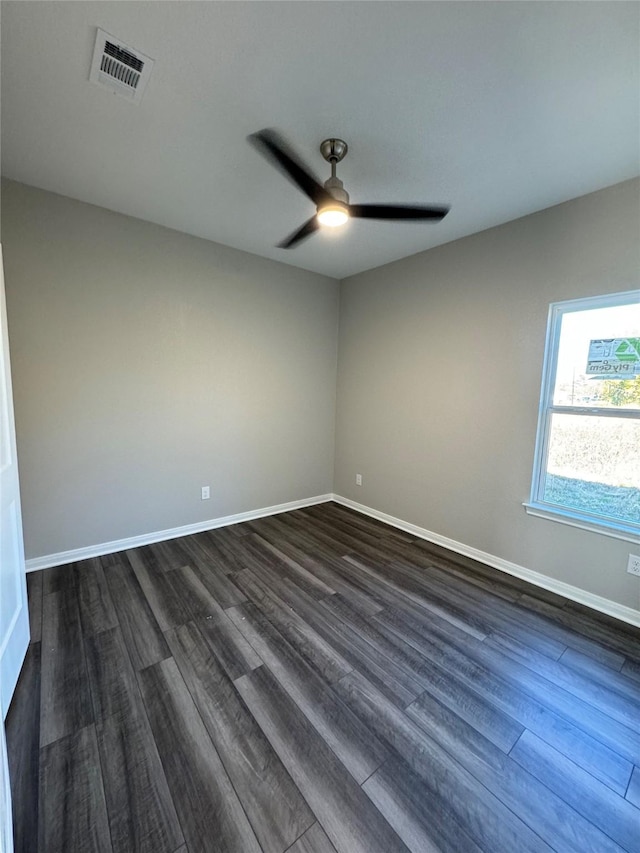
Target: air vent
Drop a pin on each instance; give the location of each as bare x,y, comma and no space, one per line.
119,68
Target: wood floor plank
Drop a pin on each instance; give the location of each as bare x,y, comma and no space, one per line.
320,536
350,646
219,585
214,574
465,621
107,560
193,594
389,552
362,522
230,647
401,656
142,816
405,612
314,840
97,612
233,651
422,818
446,650
111,676
274,806
322,566
59,579
617,706
308,643
353,539
153,563
300,544
218,553
498,727
631,670
65,698
167,607
618,682
617,818
72,813
35,583
238,529
23,748
141,813
484,815
168,555
493,613
145,642
460,569
490,612
561,623
383,596
257,556
347,816
370,530
611,732
633,791
336,531
471,568
206,803
84,580
611,632
358,750
547,815
459,572
294,570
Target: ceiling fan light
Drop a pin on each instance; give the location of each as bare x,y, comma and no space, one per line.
333,215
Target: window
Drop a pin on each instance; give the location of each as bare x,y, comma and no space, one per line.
587,460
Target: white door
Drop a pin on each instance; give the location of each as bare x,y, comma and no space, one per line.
14,611
6,824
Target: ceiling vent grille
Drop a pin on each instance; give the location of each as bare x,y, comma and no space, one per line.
119,68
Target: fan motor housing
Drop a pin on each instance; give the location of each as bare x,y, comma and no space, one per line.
335,187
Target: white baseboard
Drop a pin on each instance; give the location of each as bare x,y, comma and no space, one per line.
63,557
596,602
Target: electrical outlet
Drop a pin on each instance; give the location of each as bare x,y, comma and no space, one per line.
634,565
358,479
206,493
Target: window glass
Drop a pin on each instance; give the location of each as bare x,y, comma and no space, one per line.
593,465
573,385
587,463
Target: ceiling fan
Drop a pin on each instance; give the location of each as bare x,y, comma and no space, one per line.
331,200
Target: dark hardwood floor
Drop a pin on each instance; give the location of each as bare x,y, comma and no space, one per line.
318,682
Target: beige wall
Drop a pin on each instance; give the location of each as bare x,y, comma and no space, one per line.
440,424
147,363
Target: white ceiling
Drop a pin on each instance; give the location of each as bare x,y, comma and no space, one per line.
499,109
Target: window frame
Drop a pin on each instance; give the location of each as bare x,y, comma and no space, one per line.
536,505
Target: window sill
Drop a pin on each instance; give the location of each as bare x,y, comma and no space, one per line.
584,522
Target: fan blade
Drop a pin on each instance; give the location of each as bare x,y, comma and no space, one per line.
396,211
269,143
301,234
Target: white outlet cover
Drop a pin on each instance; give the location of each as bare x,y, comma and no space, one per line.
633,567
